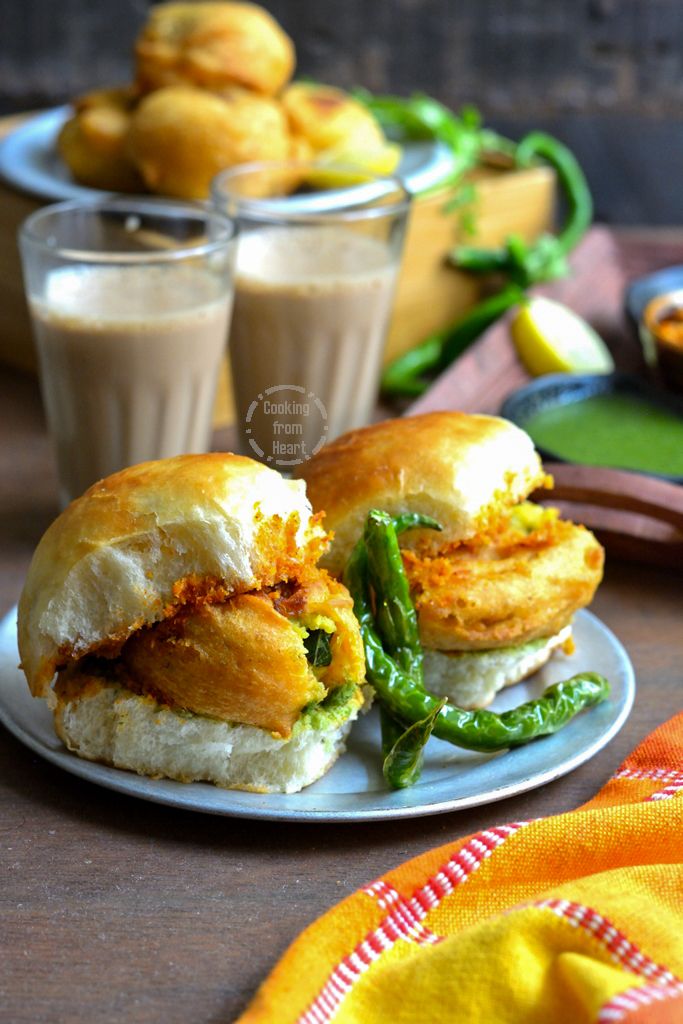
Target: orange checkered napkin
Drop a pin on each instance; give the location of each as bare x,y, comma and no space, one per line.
564,920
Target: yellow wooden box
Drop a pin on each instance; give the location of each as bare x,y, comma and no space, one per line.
430,294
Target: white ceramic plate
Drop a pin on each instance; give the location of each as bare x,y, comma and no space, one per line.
354,789
29,161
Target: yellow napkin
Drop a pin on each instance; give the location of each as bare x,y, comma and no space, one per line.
563,920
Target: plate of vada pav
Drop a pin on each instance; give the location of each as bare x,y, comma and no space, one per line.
176,649
212,89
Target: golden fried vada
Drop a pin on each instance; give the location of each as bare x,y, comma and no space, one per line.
329,118
213,45
485,592
496,591
94,142
181,137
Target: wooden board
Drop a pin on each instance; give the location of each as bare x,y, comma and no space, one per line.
489,371
430,294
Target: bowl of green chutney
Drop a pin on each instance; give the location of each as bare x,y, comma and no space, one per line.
614,420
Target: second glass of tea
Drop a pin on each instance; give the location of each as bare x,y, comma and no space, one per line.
317,261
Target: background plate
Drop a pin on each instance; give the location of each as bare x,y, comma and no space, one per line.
354,789
29,161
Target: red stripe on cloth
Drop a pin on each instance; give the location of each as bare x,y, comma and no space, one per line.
667,792
658,774
404,920
673,780
622,950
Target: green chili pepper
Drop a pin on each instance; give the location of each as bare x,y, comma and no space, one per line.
391,729
403,762
545,258
476,322
394,611
572,182
405,375
475,730
401,748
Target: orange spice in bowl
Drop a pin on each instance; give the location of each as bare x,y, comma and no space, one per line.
662,328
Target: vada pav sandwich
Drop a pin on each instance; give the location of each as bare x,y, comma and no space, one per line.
191,633
496,590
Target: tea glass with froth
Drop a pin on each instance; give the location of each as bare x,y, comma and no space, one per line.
130,302
317,260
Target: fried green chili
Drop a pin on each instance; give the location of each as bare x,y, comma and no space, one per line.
403,761
394,611
391,730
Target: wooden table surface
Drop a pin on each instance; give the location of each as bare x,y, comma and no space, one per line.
113,909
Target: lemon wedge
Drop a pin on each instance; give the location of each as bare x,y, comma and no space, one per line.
550,338
340,167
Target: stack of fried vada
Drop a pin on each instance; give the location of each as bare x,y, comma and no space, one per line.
496,590
211,91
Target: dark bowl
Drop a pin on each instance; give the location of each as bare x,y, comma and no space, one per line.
640,291
642,294
567,388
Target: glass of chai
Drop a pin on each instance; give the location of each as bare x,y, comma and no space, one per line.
130,302
317,261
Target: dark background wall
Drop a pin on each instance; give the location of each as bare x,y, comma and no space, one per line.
604,75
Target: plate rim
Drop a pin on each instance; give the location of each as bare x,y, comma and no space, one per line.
44,125
158,790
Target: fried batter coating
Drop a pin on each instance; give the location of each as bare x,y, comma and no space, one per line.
505,588
212,45
241,662
181,137
330,119
94,142
244,660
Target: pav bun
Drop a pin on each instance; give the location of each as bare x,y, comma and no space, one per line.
141,542
460,469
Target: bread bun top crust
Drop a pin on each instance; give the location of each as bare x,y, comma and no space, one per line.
145,540
456,467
